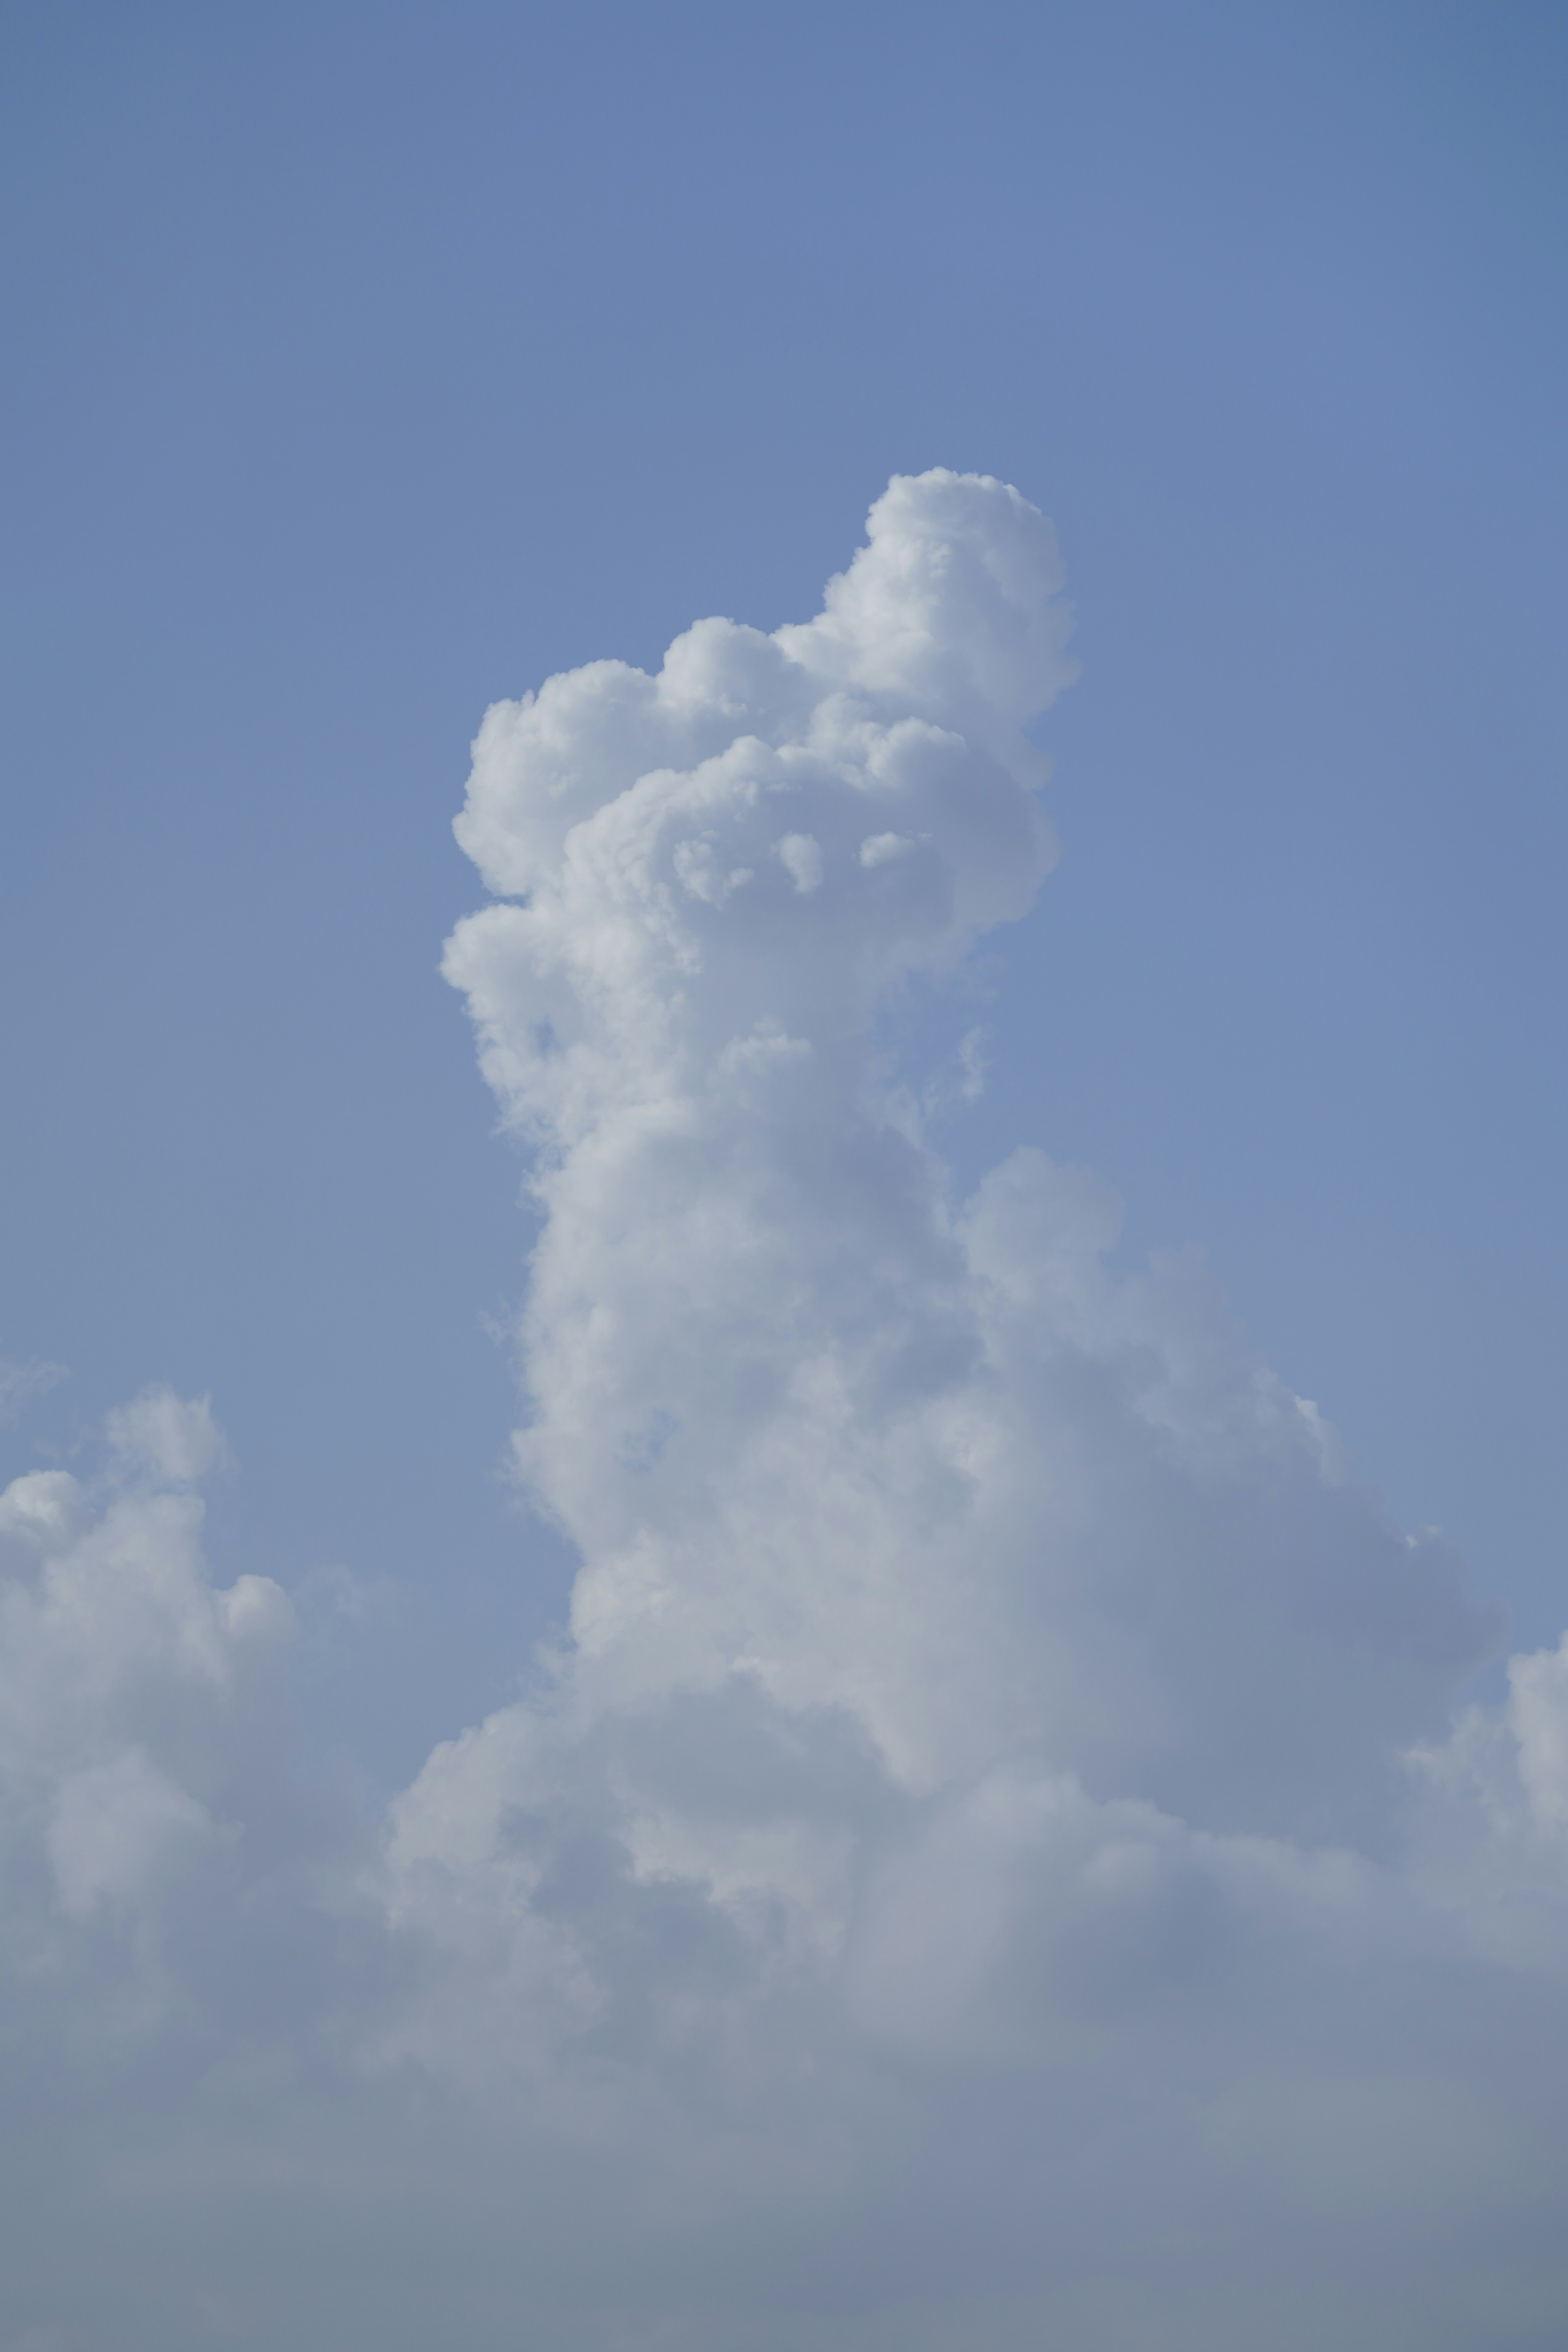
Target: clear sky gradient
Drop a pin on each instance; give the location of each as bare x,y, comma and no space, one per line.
365,363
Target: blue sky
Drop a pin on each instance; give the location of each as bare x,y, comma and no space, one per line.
365,365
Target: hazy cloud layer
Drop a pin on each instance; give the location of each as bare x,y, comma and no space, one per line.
995,1865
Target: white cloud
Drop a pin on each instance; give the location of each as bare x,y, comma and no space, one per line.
801,858
177,1441
1538,1716
882,848
995,1863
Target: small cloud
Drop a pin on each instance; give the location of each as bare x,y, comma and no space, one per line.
801,858
42,1513
961,1080
19,1383
337,1609
331,1599
882,848
177,1441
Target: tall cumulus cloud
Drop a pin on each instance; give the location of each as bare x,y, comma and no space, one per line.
999,1858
